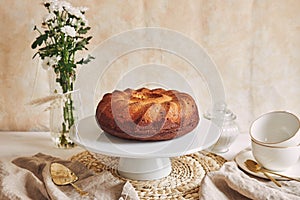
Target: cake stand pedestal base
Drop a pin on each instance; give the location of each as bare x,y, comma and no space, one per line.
144,168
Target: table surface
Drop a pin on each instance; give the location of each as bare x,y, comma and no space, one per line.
16,144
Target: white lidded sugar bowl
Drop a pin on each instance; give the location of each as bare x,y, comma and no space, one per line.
226,120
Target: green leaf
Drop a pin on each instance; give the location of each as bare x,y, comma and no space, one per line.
88,38
83,30
70,66
85,61
39,41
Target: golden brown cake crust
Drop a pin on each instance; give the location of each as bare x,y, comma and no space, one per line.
147,115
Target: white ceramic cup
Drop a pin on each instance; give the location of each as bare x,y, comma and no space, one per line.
278,128
275,158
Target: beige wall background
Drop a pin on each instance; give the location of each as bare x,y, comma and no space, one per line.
254,43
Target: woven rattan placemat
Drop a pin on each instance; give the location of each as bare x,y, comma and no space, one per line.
182,183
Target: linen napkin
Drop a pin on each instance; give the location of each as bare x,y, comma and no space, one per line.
232,183
29,178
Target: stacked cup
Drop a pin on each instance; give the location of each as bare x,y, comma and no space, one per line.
275,140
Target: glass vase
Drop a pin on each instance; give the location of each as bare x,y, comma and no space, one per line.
65,111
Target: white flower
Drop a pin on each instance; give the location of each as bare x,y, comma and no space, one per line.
50,16
47,63
83,9
56,58
74,22
74,11
50,1
54,24
50,61
64,5
58,5
55,7
79,22
69,30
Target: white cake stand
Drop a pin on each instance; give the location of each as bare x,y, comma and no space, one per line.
143,160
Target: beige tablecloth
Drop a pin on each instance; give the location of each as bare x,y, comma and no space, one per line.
29,178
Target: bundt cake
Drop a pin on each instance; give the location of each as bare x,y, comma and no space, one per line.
147,115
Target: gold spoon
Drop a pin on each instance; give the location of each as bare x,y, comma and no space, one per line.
254,167
61,175
260,168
